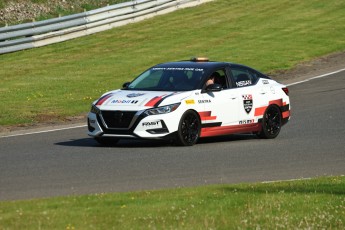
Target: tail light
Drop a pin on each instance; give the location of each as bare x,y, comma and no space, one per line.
286,91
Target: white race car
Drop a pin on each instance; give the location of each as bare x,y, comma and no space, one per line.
188,100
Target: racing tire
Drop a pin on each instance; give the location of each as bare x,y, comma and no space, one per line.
271,123
189,129
106,141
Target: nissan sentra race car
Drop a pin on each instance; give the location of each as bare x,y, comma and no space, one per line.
187,100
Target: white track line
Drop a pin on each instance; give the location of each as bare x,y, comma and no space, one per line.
289,180
74,127
312,78
44,131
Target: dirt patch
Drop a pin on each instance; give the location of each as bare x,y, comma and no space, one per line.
316,67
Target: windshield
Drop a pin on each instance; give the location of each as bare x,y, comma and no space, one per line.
168,79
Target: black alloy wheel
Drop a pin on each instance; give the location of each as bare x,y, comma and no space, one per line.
271,123
189,129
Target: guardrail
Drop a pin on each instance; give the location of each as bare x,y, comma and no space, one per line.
36,34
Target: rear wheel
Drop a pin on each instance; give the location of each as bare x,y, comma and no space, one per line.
106,141
271,123
189,129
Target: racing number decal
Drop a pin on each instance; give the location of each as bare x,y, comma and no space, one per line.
247,102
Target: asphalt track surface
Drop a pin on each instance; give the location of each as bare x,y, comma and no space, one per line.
68,162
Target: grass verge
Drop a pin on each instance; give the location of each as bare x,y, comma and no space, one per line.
63,79
307,204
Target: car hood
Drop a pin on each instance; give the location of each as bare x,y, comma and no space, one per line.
138,100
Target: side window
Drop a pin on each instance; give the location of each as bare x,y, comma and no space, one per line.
218,77
243,76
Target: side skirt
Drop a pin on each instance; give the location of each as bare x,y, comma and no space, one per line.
231,129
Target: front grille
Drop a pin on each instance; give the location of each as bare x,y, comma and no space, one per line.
118,119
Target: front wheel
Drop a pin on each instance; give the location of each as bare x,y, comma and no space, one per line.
189,129
271,123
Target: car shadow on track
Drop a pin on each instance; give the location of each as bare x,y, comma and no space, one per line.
127,143
84,142
227,138
90,142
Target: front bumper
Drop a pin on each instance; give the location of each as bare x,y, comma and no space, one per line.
139,126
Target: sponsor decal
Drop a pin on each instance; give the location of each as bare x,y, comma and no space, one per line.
247,102
178,69
204,101
266,82
116,101
243,83
135,95
151,123
244,122
190,102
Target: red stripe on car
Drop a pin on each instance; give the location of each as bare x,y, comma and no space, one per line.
278,102
154,101
103,99
225,130
259,111
286,114
206,116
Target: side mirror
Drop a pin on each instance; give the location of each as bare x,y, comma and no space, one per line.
125,85
213,88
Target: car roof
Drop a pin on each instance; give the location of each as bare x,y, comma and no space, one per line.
192,64
199,64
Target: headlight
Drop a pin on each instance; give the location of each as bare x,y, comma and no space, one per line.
94,109
162,110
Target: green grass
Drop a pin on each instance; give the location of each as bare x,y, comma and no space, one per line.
63,79
306,204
